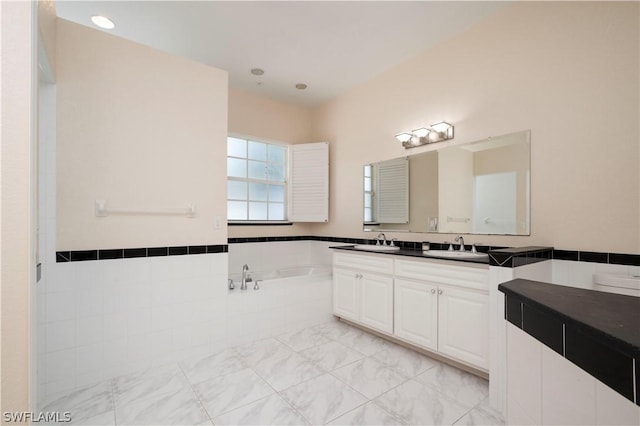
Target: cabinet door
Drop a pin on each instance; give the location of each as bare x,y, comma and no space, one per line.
345,294
376,301
416,313
463,325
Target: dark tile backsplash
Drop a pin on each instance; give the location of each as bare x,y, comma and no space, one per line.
499,256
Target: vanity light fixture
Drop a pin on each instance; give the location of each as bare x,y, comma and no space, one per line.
103,22
436,133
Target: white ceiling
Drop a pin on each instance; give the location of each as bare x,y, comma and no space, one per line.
330,46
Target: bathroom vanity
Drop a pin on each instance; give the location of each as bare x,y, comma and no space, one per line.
437,305
572,355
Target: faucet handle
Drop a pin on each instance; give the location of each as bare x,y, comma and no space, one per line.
473,247
450,245
256,286
392,242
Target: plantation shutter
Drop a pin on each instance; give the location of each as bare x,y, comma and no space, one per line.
309,183
392,191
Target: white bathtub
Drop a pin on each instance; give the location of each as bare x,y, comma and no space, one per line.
283,275
288,299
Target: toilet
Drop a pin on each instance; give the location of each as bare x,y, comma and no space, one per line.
617,283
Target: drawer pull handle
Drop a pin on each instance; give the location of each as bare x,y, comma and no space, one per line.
439,291
433,290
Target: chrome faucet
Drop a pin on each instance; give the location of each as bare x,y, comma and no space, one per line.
461,240
245,278
384,239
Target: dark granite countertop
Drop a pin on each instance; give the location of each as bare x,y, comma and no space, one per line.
612,319
413,253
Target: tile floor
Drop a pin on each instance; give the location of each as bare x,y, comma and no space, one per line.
327,374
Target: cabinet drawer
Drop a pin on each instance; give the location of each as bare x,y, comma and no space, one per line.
371,263
472,276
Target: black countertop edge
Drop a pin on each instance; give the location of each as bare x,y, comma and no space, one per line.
413,253
611,319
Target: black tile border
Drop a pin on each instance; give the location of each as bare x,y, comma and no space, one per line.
130,253
609,360
498,255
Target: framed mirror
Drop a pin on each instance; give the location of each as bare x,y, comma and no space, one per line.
480,187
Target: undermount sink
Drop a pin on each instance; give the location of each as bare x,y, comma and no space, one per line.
376,248
456,254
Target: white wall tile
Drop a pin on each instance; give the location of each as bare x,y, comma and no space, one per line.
161,318
139,321
60,335
524,375
568,393
138,347
61,306
60,365
115,354
115,326
89,330
60,277
89,300
90,358
614,409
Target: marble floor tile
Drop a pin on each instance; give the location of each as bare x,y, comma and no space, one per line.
368,414
323,399
416,403
303,339
332,355
477,416
149,385
261,350
333,329
364,342
225,393
286,370
104,419
405,361
369,376
456,384
178,408
272,410
84,403
199,369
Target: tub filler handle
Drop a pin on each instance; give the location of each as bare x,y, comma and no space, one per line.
256,286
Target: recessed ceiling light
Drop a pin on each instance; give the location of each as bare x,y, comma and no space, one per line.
257,71
301,86
103,22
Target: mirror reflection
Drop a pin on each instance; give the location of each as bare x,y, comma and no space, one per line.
480,187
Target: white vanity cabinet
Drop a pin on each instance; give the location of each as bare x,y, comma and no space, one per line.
363,290
444,307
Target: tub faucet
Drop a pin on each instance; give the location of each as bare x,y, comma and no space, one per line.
384,239
245,279
461,240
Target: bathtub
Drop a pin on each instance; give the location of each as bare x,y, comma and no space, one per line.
284,275
289,298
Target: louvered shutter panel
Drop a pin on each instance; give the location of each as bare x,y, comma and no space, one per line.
309,183
392,192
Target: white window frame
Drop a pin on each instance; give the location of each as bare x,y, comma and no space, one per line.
248,180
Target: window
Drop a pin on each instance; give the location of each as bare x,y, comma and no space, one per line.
257,177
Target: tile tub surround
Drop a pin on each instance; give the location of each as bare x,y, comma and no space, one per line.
242,385
596,331
102,319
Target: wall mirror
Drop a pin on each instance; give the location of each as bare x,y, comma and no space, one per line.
479,187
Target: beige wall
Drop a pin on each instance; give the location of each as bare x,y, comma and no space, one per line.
16,126
567,71
255,116
141,129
